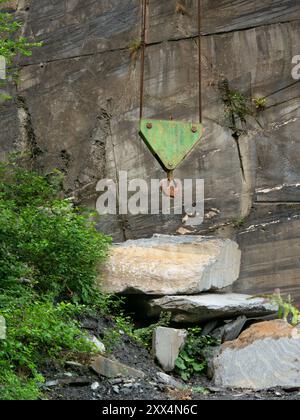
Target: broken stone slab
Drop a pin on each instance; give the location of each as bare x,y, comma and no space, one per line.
208,307
166,346
230,330
173,265
113,369
68,381
2,328
267,355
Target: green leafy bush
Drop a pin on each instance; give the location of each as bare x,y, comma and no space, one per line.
49,255
10,44
44,240
286,307
144,335
192,359
37,330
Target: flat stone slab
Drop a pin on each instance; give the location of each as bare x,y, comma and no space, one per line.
267,355
113,369
2,328
173,265
210,306
167,344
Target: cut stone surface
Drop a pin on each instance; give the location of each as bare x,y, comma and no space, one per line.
98,122
2,328
267,355
171,265
167,344
113,369
209,306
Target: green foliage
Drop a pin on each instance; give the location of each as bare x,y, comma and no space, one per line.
44,240
238,107
239,222
37,330
49,254
144,335
260,103
13,387
10,43
4,97
192,359
134,47
200,390
286,308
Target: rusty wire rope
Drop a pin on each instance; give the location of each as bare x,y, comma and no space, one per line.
145,7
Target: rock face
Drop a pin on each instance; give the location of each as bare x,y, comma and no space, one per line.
270,253
2,328
113,369
171,265
266,355
82,87
167,344
207,307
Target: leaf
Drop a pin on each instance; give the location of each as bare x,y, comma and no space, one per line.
180,364
186,357
198,367
185,376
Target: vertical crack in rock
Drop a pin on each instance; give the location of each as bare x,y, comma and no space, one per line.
27,141
236,138
100,137
95,169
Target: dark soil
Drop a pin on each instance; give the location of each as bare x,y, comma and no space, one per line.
78,382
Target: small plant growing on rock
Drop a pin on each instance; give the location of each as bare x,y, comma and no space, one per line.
260,103
192,359
134,47
237,223
286,308
144,335
12,45
238,107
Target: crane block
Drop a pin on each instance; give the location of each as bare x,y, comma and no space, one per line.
170,141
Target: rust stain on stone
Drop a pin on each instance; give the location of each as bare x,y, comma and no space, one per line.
270,329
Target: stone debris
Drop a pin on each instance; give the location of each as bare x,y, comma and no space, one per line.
95,386
167,344
171,265
230,330
206,307
267,355
170,381
113,369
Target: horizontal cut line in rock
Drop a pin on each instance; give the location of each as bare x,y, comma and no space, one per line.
194,37
277,202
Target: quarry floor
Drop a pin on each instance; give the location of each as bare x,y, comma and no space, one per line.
76,380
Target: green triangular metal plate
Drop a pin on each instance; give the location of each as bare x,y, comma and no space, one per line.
170,140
